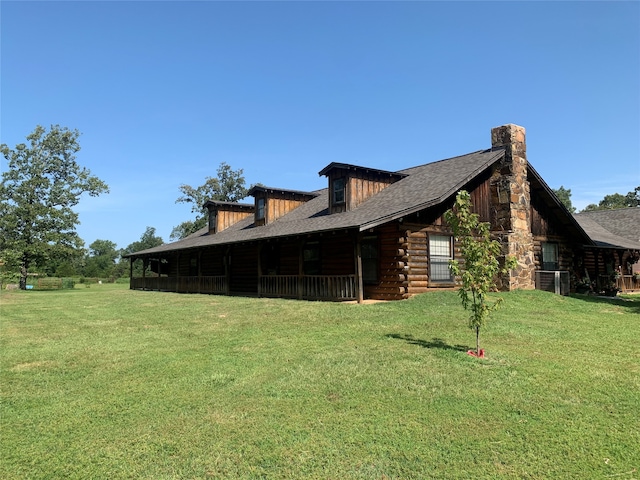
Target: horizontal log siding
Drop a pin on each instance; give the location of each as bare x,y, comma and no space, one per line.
392,278
418,261
565,251
418,255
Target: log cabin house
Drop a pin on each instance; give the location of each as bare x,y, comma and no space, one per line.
372,234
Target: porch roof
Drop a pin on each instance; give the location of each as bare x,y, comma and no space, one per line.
422,187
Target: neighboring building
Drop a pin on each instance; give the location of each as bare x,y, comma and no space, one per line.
373,233
616,234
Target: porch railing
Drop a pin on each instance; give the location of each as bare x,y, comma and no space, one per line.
209,284
624,283
308,287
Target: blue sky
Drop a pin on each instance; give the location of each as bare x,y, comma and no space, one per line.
163,92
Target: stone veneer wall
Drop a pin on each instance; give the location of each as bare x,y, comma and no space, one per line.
511,201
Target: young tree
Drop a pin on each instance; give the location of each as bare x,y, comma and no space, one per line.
228,186
37,195
481,262
564,195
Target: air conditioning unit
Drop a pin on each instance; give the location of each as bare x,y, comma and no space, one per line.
553,281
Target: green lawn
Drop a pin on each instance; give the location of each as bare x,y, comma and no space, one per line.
104,382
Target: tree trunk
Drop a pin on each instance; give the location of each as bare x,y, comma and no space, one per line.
478,341
23,275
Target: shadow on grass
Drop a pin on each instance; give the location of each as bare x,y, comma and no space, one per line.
632,302
433,343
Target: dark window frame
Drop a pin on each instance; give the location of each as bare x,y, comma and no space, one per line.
369,256
312,258
260,208
552,264
339,194
193,266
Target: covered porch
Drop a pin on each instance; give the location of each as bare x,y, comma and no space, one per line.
325,268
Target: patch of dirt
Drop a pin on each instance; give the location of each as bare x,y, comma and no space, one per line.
32,365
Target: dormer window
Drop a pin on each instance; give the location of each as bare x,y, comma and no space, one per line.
260,209
338,190
222,215
350,185
281,202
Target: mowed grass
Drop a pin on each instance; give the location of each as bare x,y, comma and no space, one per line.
111,383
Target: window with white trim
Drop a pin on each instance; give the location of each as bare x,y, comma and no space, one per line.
440,253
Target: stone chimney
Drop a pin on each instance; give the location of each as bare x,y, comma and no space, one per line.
512,202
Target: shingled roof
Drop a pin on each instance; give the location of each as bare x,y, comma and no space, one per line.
619,228
422,187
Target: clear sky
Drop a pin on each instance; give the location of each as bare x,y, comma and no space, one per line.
163,92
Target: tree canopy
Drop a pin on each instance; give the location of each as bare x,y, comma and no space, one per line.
101,261
37,195
564,195
617,200
228,186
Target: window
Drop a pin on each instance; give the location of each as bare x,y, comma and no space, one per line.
338,190
440,252
549,256
369,254
311,258
193,267
260,209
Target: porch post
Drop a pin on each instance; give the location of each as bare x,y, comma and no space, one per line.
300,268
178,272
131,260
199,271
144,273
358,255
596,255
260,269
227,271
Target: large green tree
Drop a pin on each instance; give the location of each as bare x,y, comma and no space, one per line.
481,262
101,261
564,195
37,195
228,186
617,200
